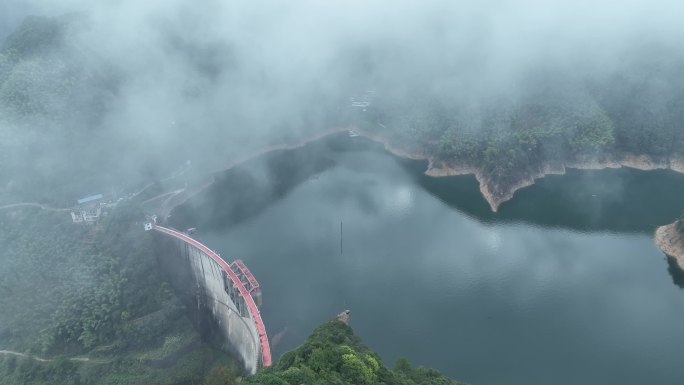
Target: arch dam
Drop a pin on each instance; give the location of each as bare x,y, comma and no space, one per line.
222,297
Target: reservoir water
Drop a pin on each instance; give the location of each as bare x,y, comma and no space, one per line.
563,286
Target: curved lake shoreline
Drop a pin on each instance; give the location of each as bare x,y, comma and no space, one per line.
494,194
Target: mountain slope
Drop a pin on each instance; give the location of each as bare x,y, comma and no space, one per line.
334,355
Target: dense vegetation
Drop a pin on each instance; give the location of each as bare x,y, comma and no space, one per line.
92,301
130,369
79,274
546,115
95,291
633,113
108,310
334,355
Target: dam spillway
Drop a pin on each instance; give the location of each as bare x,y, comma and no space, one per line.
221,295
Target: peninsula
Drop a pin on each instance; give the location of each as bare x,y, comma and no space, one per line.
670,239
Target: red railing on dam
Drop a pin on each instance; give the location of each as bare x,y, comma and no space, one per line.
253,309
242,271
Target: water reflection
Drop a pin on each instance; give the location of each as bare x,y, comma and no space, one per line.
540,293
676,272
616,200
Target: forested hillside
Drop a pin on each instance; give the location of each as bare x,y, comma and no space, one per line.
90,303
58,89
334,355
638,108
80,114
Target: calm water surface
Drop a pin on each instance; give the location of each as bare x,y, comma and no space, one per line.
563,286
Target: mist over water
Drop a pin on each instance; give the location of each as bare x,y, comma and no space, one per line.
541,293
562,286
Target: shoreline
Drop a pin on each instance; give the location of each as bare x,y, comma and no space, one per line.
494,194
33,204
671,242
183,195
497,195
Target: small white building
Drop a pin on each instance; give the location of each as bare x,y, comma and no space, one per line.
89,215
88,211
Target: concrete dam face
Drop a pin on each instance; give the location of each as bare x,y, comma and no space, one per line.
222,298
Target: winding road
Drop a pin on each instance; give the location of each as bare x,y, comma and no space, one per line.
33,204
24,355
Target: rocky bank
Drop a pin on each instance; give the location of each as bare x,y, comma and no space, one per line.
671,242
497,193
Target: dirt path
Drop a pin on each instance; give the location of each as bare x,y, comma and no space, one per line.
24,355
11,353
33,204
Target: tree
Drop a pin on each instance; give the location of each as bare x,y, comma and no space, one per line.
593,134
